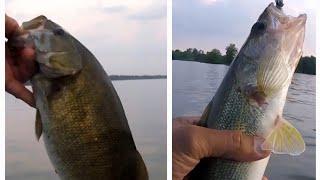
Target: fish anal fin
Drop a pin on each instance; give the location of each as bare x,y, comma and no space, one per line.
284,139
38,125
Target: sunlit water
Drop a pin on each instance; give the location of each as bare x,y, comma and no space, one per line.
194,85
145,104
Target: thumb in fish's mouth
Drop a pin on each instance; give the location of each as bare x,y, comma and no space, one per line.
21,40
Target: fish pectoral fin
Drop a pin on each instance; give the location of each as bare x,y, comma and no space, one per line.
205,114
38,125
284,139
272,75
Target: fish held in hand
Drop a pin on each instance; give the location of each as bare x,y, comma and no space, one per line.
79,113
252,95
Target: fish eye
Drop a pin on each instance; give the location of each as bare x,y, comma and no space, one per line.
59,32
259,26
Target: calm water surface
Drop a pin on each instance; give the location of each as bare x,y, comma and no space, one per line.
145,104
194,85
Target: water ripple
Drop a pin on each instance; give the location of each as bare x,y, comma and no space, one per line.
194,85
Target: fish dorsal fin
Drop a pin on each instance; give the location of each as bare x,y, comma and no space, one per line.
284,139
272,75
38,125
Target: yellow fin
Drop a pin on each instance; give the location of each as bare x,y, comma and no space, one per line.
284,139
272,75
38,125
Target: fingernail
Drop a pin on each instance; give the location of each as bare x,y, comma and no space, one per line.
28,53
258,141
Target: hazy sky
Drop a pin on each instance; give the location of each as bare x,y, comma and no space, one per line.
208,24
127,36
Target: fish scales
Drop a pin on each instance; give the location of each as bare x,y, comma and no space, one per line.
214,168
82,126
80,116
234,113
252,95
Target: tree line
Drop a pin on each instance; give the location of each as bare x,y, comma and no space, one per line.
307,64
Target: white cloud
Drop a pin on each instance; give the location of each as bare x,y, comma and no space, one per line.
209,2
198,25
106,29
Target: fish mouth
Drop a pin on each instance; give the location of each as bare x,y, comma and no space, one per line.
24,39
288,29
277,19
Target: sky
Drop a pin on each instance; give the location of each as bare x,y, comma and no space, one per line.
209,24
127,37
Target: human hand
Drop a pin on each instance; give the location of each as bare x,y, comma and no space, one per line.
192,143
19,65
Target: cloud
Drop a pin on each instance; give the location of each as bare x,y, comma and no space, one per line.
152,12
115,9
215,25
122,45
209,2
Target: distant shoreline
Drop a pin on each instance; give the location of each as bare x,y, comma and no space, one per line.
126,77
136,77
306,65
226,64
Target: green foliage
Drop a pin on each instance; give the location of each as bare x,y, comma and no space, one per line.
214,56
306,65
231,52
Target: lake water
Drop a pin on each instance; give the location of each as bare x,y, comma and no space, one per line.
145,104
194,85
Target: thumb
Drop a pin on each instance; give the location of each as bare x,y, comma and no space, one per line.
11,26
233,145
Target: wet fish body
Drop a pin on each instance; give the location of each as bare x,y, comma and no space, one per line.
253,93
80,116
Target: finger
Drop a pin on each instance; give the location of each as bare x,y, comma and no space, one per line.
245,148
28,53
230,144
22,65
257,146
27,64
211,142
11,26
251,146
17,89
24,72
8,55
264,178
193,120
